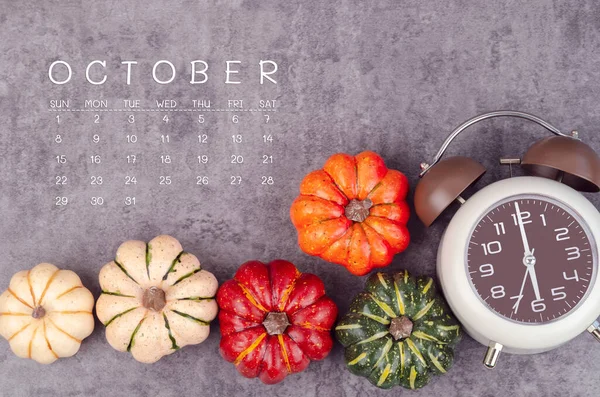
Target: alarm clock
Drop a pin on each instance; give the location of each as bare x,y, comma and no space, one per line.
518,262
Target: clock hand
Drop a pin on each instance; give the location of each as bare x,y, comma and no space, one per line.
534,281
520,296
522,229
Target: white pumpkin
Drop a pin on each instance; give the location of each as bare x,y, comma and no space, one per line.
155,299
45,313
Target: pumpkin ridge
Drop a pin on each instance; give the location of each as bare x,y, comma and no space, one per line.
284,354
383,306
424,310
399,299
31,342
10,291
148,258
251,297
283,299
117,294
135,331
386,349
18,332
120,266
119,315
50,280
336,185
72,312
175,262
31,290
374,317
174,345
387,219
196,298
190,274
249,349
63,331
369,260
189,317
67,291
48,341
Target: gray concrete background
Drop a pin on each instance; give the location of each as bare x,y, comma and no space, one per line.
390,76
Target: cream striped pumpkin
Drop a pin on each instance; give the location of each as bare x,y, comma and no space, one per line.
46,313
155,299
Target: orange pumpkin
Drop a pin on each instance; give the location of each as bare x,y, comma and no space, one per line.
353,212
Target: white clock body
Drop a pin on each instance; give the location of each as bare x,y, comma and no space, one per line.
479,320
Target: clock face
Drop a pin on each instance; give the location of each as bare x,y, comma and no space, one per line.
531,259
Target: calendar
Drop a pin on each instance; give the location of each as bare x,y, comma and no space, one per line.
138,151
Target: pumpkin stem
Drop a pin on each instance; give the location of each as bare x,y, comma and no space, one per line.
401,327
276,323
38,312
154,299
358,210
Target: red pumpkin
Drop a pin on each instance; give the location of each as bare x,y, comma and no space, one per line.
353,212
274,320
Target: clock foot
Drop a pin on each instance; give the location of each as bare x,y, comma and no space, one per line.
492,354
594,329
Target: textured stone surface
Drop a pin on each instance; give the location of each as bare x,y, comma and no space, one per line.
390,76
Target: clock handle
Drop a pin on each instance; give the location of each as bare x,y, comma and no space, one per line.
492,354
499,113
594,329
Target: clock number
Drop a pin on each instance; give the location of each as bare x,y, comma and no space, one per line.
491,248
561,234
574,277
572,253
538,305
498,292
524,215
558,293
543,219
500,228
486,270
